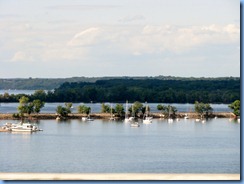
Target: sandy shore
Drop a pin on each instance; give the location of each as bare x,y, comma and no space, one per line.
116,176
107,115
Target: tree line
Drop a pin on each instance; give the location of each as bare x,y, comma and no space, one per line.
137,109
52,83
150,90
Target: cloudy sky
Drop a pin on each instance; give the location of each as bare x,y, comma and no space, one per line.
66,38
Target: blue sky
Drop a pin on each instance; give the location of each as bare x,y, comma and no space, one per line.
66,38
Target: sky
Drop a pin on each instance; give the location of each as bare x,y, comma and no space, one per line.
95,38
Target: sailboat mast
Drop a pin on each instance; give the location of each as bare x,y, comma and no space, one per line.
126,109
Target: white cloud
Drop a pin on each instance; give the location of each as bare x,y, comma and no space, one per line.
87,37
115,41
21,56
155,39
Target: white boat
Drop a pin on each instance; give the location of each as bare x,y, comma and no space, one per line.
129,119
24,127
134,124
170,120
147,119
186,116
84,118
89,116
111,113
89,119
238,119
197,120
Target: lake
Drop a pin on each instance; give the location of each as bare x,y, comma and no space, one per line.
96,107
102,146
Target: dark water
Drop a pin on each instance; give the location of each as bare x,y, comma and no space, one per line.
115,147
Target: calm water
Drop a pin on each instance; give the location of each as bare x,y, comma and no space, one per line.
111,147
96,107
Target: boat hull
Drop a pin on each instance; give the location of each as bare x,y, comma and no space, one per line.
22,130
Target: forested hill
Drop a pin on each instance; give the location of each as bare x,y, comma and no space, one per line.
150,90
52,83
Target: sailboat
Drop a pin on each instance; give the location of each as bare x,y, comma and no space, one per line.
111,113
147,119
134,124
170,120
131,119
127,118
89,116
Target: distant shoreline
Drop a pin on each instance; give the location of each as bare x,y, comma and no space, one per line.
191,115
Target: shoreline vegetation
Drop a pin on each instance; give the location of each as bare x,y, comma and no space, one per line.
157,115
151,90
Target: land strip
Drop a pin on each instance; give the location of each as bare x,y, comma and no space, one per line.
191,115
108,115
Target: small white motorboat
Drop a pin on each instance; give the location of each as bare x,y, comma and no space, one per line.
135,124
186,116
84,118
128,120
147,120
24,127
170,120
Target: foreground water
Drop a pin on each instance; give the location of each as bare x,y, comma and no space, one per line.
114,147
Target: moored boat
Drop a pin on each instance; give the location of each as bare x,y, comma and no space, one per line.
24,127
147,119
134,124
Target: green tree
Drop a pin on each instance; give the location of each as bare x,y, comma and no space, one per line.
40,95
37,105
208,109
136,108
202,109
168,110
171,110
235,106
62,111
30,108
162,108
119,109
83,109
105,108
24,106
68,107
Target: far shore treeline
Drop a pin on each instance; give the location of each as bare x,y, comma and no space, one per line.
151,90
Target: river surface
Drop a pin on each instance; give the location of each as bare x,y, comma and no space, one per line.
96,107
102,146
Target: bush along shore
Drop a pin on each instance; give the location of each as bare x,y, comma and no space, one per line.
43,116
31,110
